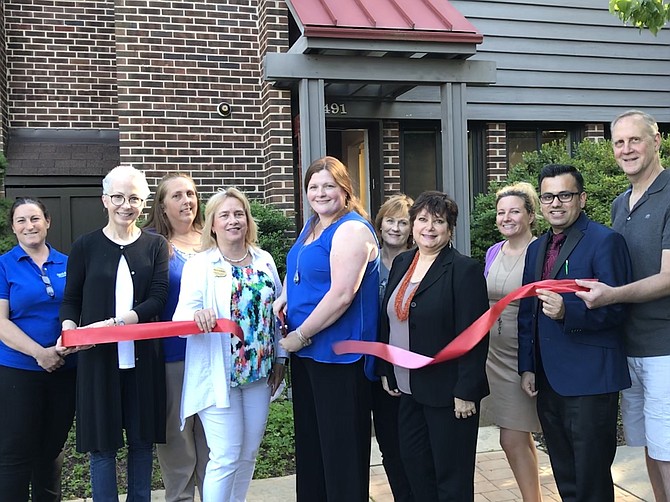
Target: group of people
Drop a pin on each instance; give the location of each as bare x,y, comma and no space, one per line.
559,363
203,400
555,363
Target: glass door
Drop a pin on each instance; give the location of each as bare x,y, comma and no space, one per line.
358,147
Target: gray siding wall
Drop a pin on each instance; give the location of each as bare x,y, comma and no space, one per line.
565,60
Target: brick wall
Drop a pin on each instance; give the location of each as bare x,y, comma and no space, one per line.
496,151
175,65
276,110
61,64
157,71
4,125
391,149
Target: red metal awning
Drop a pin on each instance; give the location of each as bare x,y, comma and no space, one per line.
411,20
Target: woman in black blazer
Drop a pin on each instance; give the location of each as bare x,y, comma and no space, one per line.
433,294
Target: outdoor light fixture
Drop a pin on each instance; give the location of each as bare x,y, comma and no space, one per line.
224,109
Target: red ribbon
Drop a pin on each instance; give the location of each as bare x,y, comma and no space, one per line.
464,342
144,331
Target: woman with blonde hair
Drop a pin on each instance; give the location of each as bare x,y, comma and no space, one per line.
395,237
513,410
228,382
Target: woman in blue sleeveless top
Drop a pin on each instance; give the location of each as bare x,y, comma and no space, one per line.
331,295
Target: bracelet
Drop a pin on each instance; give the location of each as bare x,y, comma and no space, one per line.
305,341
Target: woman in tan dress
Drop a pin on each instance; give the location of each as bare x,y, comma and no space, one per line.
514,412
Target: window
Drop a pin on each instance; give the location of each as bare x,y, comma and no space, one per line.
419,150
522,138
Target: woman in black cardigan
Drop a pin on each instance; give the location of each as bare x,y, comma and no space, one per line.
433,294
119,275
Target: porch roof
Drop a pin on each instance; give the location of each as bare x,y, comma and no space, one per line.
407,20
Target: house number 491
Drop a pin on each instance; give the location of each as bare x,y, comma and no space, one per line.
334,109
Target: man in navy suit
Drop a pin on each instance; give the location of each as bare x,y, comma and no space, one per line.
571,357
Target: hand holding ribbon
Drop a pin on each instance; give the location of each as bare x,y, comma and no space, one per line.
144,331
465,341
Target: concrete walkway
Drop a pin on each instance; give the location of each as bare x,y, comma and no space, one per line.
494,481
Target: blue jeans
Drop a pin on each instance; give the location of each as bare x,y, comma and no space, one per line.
140,454
103,473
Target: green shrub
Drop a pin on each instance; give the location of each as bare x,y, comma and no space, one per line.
276,456
7,238
603,181
273,228
3,165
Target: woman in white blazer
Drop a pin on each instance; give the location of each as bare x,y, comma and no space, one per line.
228,382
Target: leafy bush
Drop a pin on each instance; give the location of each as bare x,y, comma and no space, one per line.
276,456
7,239
273,228
3,164
603,181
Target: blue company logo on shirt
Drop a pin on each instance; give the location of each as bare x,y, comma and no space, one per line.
61,275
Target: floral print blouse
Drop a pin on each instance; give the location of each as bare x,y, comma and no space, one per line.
251,307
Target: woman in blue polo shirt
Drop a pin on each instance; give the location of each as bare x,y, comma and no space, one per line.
37,384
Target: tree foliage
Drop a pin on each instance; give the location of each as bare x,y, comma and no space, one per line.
650,14
603,181
273,228
7,238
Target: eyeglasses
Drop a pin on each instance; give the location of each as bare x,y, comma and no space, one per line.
119,200
548,198
49,286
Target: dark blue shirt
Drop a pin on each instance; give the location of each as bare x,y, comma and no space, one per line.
30,306
174,347
312,282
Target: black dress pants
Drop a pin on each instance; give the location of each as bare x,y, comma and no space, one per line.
385,418
36,413
331,413
580,433
438,451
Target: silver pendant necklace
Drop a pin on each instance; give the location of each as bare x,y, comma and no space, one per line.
296,276
509,273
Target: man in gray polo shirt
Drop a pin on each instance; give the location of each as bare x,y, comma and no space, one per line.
642,215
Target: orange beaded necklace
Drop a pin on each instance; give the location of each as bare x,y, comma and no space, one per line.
402,311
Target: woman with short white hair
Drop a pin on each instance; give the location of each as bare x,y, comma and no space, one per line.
119,275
